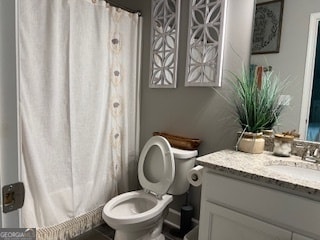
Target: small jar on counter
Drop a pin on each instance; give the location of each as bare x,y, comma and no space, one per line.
282,145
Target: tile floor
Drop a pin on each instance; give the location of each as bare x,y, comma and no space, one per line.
104,232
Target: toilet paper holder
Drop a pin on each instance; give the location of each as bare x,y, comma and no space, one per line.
195,176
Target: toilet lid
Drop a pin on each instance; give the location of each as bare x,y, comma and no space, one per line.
156,167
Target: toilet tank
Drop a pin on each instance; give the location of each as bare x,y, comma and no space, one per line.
184,160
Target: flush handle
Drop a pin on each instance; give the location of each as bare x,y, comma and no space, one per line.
12,197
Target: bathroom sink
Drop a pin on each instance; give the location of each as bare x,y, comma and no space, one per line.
299,172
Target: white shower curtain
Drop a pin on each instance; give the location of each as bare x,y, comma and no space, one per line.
78,106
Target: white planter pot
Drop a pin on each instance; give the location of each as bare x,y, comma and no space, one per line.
251,143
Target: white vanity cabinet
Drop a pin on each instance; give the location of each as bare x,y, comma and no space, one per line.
236,209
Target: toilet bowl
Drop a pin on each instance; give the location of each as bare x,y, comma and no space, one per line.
139,214
136,213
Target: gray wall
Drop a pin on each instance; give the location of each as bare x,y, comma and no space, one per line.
290,61
194,111
8,105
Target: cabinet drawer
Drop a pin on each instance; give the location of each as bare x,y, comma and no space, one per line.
222,223
279,208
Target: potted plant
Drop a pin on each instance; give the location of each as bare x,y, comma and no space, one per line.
257,106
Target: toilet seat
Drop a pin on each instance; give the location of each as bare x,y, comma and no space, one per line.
125,214
156,168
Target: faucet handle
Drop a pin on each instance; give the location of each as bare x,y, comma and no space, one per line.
316,153
314,158
306,153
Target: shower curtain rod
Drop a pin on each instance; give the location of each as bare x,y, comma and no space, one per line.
122,7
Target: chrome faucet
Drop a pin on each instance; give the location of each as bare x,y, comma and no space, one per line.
306,156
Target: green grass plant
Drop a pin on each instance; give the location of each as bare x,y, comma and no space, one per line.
257,107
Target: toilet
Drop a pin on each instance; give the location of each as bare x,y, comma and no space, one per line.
162,172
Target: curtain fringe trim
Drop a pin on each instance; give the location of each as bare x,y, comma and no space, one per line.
72,227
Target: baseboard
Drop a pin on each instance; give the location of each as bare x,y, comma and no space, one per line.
173,219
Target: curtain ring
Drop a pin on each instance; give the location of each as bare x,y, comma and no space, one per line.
94,1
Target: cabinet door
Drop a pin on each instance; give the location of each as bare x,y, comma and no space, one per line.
219,223
296,236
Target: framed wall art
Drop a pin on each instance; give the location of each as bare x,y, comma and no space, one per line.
205,43
164,43
267,27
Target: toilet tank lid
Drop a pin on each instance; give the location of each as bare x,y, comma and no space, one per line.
184,154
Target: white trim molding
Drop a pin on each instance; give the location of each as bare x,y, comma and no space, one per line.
308,75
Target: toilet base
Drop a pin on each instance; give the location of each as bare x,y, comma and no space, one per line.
153,233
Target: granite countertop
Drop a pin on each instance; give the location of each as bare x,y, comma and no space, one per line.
254,168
